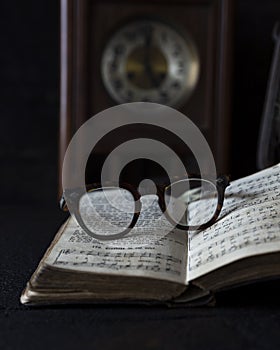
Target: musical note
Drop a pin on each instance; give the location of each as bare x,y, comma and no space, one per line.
164,259
249,225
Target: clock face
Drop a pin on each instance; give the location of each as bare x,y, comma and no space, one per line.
148,60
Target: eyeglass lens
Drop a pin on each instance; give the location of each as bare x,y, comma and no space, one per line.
191,202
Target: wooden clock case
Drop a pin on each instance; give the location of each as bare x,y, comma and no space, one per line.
86,27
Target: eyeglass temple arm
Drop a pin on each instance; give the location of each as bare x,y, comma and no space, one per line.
62,204
223,181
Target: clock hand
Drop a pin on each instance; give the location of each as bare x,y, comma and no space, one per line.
153,78
147,58
148,33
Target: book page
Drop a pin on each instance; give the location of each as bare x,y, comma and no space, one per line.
249,224
144,255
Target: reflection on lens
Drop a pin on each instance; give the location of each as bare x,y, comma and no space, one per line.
107,211
191,202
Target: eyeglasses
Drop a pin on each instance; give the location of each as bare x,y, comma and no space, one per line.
111,212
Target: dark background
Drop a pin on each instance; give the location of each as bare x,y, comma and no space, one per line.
29,216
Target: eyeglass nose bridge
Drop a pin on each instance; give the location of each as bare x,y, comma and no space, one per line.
159,192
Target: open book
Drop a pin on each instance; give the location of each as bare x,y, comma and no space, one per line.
242,246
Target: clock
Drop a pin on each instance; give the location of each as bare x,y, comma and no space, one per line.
174,53
149,60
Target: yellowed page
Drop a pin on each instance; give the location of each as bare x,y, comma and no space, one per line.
249,225
144,255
